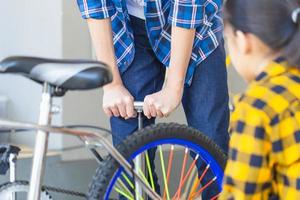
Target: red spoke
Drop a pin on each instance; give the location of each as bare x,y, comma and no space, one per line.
188,173
169,167
199,181
182,173
204,187
215,197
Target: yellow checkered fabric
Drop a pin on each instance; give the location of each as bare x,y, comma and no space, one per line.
264,156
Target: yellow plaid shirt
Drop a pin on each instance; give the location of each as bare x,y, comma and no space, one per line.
264,156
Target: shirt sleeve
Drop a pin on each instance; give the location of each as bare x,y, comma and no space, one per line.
247,174
192,13
97,9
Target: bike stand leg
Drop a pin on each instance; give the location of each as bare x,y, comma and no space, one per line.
139,159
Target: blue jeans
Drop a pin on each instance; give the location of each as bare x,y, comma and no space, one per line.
205,101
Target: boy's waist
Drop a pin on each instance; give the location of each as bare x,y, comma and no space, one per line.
139,32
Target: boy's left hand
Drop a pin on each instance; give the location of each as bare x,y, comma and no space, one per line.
162,103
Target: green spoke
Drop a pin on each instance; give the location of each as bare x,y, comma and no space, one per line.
128,180
118,190
130,184
149,170
164,171
143,176
125,187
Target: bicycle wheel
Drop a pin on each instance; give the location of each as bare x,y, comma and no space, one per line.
20,188
176,169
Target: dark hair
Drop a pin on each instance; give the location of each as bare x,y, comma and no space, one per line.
269,20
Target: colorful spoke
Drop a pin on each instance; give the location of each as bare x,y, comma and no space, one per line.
197,182
125,187
143,176
182,173
149,170
128,180
169,167
130,184
204,187
187,174
118,190
215,197
164,172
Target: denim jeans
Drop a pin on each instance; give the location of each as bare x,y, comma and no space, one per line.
205,101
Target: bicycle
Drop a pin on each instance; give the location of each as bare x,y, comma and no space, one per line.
127,172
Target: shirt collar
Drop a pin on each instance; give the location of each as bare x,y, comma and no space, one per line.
275,68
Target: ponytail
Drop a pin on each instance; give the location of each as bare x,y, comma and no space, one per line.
275,22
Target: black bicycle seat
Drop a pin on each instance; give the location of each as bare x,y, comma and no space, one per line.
65,74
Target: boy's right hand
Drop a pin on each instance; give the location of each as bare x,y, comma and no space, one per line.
117,101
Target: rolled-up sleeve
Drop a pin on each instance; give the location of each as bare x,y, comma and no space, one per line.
97,9
192,13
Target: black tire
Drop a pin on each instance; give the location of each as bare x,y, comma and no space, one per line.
106,170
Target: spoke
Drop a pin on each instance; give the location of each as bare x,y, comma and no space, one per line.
187,174
118,190
215,197
204,187
182,173
149,170
143,176
169,167
124,186
128,180
130,184
164,172
193,188
197,182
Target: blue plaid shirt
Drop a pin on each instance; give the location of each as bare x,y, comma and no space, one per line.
203,15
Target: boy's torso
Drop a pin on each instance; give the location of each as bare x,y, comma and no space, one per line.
204,16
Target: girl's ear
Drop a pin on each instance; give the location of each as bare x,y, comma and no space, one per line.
243,42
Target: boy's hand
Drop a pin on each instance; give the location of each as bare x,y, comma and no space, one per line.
162,103
117,101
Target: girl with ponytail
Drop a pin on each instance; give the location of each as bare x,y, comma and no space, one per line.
264,43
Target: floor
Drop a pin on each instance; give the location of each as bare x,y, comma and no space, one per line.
74,175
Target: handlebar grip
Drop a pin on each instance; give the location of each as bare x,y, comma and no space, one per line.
138,105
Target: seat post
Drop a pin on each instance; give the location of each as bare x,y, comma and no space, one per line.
41,145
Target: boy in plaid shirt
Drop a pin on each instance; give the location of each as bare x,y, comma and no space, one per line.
264,156
142,39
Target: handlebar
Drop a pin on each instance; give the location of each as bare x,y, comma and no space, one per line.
138,106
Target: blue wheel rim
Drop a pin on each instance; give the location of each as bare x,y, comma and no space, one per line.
205,155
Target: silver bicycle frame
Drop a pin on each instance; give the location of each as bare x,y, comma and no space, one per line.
43,130
41,145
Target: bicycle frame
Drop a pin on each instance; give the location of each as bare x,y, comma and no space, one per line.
43,129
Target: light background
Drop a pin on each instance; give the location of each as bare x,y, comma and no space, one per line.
54,29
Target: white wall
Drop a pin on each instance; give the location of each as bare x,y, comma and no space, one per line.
28,27
53,28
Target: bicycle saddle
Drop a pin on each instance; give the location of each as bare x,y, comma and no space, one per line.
65,74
